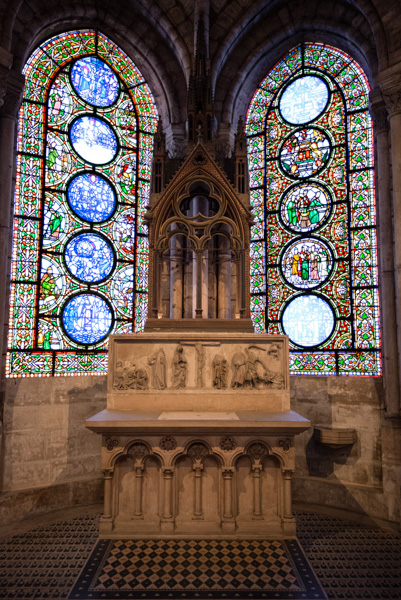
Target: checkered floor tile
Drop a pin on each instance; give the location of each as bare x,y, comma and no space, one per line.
213,569
193,565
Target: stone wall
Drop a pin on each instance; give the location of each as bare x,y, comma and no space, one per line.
52,461
362,477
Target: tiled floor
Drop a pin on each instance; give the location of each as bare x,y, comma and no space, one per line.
351,561
204,569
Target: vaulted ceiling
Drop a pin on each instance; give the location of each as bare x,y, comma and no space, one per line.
245,38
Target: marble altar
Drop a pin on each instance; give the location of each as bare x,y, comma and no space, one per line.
198,435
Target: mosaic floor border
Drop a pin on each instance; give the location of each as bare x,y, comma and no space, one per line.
201,569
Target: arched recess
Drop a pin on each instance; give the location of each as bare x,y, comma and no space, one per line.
199,239
80,247
313,246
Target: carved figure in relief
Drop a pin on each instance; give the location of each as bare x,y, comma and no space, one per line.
179,368
274,351
136,377
130,377
159,369
119,376
238,364
252,371
219,372
200,358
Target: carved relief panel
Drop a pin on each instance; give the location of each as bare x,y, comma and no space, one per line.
167,365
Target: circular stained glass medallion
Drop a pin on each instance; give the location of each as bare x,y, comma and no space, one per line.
89,257
93,140
87,318
308,320
305,152
91,197
94,81
303,100
306,263
305,207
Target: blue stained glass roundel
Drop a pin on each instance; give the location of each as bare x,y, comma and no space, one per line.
93,140
304,100
89,257
91,197
87,318
94,81
308,320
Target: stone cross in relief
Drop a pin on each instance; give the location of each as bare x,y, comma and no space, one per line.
200,358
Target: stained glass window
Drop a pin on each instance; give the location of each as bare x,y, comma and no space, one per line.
80,248
313,249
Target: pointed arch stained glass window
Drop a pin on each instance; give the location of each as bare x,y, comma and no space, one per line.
80,248
313,249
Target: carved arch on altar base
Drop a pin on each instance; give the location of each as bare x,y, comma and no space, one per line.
199,245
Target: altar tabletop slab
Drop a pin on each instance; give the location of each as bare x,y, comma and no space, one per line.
197,421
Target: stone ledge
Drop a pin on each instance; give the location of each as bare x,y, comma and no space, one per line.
334,437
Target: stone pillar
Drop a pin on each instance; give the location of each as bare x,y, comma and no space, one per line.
287,501
391,88
164,298
155,286
108,489
189,268
198,288
138,492
198,512
224,280
167,523
257,492
385,255
228,522
176,277
11,86
241,283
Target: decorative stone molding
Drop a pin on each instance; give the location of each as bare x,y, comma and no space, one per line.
379,115
138,450
227,473
257,450
11,88
285,444
197,451
168,444
3,83
228,444
393,102
110,444
5,64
